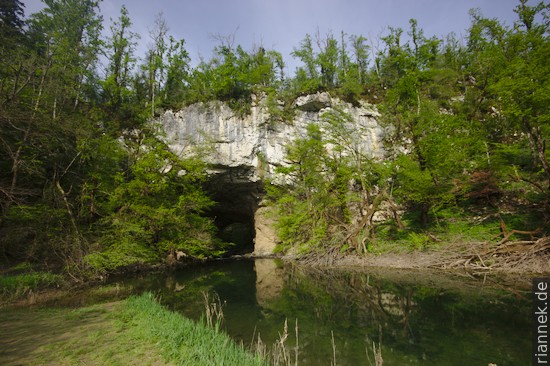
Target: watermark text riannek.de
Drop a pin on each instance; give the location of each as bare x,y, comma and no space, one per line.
540,321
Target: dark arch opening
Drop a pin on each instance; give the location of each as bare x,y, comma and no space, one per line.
236,200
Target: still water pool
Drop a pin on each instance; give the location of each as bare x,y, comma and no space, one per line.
415,317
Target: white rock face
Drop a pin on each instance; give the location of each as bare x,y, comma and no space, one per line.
313,102
255,143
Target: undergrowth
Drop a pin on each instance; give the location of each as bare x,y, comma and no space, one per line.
452,225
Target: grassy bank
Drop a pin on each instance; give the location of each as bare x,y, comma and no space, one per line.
181,340
22,280
136,331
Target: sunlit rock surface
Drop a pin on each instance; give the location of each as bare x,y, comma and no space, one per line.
266,237
253,143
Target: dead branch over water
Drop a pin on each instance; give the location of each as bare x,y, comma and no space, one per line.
518,256
521,255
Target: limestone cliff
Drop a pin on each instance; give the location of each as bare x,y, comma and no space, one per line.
243,150
252,146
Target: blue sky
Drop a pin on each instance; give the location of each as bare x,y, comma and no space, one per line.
282,24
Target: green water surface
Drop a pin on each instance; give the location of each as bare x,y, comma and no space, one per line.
416,317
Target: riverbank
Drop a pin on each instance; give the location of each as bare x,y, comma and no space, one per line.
26,285
512,257
135,331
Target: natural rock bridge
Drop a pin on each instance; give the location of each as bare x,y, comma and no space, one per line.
243,150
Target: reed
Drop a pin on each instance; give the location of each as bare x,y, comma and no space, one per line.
282,354
213,311
377,352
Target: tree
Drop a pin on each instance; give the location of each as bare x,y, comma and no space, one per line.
13,79
71,30
523,84
358,177
327,59
352,74
155,58
120,47
50,84
11,22
419,128
334,188
360,57
302,206
228,83
199,84
155,210
262,68
307,77
176,74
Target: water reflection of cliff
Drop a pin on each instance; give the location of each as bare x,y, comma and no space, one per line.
269,281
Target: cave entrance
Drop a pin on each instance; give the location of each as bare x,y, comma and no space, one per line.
236,200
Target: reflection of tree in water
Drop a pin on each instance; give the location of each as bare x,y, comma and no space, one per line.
360,309
338,297
412,319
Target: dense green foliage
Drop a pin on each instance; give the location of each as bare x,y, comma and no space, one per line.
329,199
88,182
466,126
157,211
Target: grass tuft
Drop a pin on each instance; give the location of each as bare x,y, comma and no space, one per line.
18,285
182,341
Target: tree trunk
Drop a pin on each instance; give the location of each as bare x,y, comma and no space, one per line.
365,223
539,143
536,141
424,210
17,156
